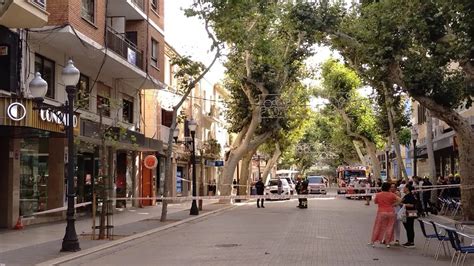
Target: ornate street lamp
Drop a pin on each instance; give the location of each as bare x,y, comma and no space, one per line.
192,125
414,138
38,88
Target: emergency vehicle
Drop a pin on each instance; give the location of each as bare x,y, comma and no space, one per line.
351,179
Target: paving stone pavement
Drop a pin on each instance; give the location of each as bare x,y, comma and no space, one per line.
38,243
329,232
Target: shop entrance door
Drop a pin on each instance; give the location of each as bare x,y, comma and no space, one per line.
146,186
87,170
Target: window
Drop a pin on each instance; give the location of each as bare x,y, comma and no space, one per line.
421,114
154,4
103,99
166,117
41,3
46,68
154,53
82,96
88,10
34,173
127,110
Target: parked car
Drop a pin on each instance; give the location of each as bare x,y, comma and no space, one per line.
316,185
271,187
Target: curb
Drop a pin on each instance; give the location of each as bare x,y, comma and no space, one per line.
92,250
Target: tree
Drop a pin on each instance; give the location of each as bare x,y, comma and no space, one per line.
188,75
267,46
425,48
339,85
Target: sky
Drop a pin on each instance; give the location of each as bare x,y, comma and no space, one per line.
188,36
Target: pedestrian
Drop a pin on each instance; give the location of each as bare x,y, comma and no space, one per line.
382,231
368,198
379,183
396,225
304,191
403,183
409,202
428,207
280,186
298,189
260,187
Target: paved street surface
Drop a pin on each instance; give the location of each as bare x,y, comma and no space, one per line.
330,232
38,243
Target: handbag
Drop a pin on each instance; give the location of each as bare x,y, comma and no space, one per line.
412,214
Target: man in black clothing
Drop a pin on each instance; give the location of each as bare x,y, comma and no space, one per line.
304,190
260,187
410,203
298,189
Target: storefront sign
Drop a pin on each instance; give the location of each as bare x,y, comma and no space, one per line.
16,111
60,119
150,162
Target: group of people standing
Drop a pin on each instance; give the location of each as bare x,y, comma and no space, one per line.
394,207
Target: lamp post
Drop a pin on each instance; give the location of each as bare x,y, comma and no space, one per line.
38,88
192,128
414,137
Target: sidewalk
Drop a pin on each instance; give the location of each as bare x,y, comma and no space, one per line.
38,243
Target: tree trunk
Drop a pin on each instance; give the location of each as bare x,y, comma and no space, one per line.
369,145
372,151
359,152
245,173
402,171
235,156
268,167
429,150
167,186
465,141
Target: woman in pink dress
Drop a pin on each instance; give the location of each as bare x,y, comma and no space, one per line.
386,217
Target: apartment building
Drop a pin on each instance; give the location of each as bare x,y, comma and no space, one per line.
118,46
444,142
206,106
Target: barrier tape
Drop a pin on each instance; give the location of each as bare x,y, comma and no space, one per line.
269,196
59,209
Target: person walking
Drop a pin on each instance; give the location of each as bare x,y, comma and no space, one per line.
382,231
260,187
304,190
409,201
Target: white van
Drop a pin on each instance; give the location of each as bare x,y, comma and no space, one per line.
290,176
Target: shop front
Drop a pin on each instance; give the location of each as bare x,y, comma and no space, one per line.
124,154
32,159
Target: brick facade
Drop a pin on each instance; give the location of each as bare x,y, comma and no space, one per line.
69,12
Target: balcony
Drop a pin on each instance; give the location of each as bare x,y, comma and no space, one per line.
122,46
130,9
23,13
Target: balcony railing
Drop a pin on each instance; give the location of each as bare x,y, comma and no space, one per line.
140,4
122,46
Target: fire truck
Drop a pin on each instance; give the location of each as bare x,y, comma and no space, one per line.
351,179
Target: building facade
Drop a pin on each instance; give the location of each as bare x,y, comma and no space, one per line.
444,142
119,48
